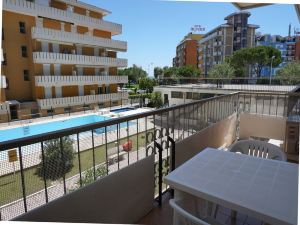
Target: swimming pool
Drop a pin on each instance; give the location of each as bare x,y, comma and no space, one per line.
122,110
30,130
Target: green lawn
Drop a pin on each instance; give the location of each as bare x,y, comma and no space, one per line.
10,185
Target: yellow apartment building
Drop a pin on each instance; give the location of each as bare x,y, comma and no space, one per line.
58,55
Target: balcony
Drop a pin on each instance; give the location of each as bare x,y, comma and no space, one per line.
71,59
128,181
58,81
76,38
80,100
32,9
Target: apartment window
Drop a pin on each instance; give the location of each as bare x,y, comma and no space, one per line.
189,95
22,28
24,51
196,96
176,94
26,75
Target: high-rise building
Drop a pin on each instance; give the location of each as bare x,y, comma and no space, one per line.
186,51
286,45
223,40
58,55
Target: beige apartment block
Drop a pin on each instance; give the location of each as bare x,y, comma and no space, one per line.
223,40
58,55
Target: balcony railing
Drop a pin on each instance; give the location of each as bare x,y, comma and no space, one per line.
84,39
32,9
99,145
80,100
264,84
59,58
50,81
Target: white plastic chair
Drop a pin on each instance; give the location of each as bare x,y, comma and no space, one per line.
186,218
258,149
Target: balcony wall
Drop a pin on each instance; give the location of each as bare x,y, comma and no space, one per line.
70,59
121,197
58,81
270,127
220,134
76,38
32,9
79,100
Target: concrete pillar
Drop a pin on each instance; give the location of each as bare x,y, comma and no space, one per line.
62,26
73,28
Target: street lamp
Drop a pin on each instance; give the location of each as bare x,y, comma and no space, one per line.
271,68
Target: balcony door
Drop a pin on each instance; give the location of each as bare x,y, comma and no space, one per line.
55,48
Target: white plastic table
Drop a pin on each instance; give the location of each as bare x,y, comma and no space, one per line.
261,188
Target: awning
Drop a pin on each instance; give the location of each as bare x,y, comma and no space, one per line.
245,6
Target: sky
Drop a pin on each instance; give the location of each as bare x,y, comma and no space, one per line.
154,28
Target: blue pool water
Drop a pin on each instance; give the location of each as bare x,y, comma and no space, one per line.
20,132
122,110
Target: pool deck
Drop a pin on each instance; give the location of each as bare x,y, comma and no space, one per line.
34,150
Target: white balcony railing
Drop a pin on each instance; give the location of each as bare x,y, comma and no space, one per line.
4,108
80,100
71,59
58,81
84,39
33,9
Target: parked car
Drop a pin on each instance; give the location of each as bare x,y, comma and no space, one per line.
140,91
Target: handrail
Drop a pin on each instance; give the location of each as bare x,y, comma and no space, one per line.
70,131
